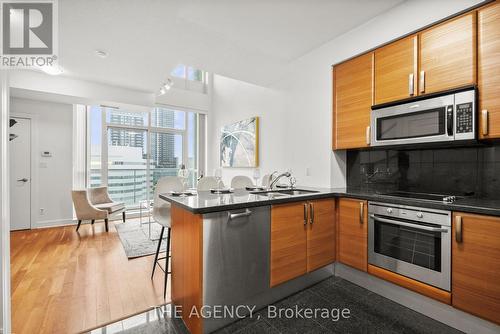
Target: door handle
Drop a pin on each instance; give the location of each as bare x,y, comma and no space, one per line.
368,135
311,209
458,229
305,214
411,84
23,180
484,122
361,212
231,216
422,82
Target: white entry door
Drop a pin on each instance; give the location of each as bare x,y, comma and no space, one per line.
20,173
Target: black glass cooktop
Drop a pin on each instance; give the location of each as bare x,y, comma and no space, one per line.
424,196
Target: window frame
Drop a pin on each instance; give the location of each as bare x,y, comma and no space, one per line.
149,129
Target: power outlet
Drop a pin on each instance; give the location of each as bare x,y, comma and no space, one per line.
308,171
42,211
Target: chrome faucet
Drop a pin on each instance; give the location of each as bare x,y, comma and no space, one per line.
277,178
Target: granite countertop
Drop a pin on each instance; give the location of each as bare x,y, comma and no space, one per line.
206,202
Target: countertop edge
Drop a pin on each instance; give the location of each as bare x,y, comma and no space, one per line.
457,207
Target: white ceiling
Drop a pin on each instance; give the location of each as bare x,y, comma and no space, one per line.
249,40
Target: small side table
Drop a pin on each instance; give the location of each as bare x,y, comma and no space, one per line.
147,207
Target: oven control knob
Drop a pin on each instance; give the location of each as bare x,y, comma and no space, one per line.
420,215
389,210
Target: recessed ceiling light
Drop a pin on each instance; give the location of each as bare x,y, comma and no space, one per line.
166,86
101,53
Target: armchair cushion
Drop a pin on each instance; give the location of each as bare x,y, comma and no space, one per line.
111,207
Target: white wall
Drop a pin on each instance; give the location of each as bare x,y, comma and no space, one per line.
234,100
52,125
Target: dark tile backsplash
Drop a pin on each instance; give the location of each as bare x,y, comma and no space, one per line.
473,171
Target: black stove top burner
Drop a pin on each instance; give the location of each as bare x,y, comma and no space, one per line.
423,196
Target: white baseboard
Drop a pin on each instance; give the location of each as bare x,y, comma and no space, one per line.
417,302
54,223
74,221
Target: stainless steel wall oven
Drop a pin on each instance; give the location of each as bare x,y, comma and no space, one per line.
411,241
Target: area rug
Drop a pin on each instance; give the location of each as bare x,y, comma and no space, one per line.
135,238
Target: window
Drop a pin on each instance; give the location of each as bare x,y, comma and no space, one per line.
187,72
189,78
139,148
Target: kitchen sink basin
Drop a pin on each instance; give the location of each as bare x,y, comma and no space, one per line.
297,191
270,194
277,193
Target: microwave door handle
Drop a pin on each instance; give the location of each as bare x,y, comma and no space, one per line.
449,121
420,227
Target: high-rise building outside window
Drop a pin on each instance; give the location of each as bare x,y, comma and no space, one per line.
139,148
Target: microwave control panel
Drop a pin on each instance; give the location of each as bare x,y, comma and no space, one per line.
464,118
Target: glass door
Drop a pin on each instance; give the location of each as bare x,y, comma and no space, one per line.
166,156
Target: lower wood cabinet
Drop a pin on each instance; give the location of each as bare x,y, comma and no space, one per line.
353,233
475,284
302,238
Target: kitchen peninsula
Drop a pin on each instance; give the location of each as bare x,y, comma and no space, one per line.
254,248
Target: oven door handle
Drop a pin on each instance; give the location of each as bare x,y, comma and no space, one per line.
420,227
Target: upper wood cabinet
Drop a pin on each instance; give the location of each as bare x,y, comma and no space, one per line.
396,70
475,284
321,234
489,71
353,233
352,101
302,238
447,55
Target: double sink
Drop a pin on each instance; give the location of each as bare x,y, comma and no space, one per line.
283,192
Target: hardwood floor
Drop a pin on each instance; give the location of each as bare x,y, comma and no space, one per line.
68,282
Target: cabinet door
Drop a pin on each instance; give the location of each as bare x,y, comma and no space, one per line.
353,233
448,55
321,234
475,284
396,70
288,242
489,71
352,101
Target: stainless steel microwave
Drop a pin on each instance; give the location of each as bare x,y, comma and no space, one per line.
445,118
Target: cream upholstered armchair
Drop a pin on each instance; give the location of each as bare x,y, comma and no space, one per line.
99,197
95,203
85,210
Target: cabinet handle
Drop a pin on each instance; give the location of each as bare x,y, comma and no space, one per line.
422,82
484,122
458,229
311,210
411,84
305,214
361,212
368,135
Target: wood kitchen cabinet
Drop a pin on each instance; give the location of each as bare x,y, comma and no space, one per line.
395,67
302,238
321,234
489,71
447,55
353,233
475,284
352,101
